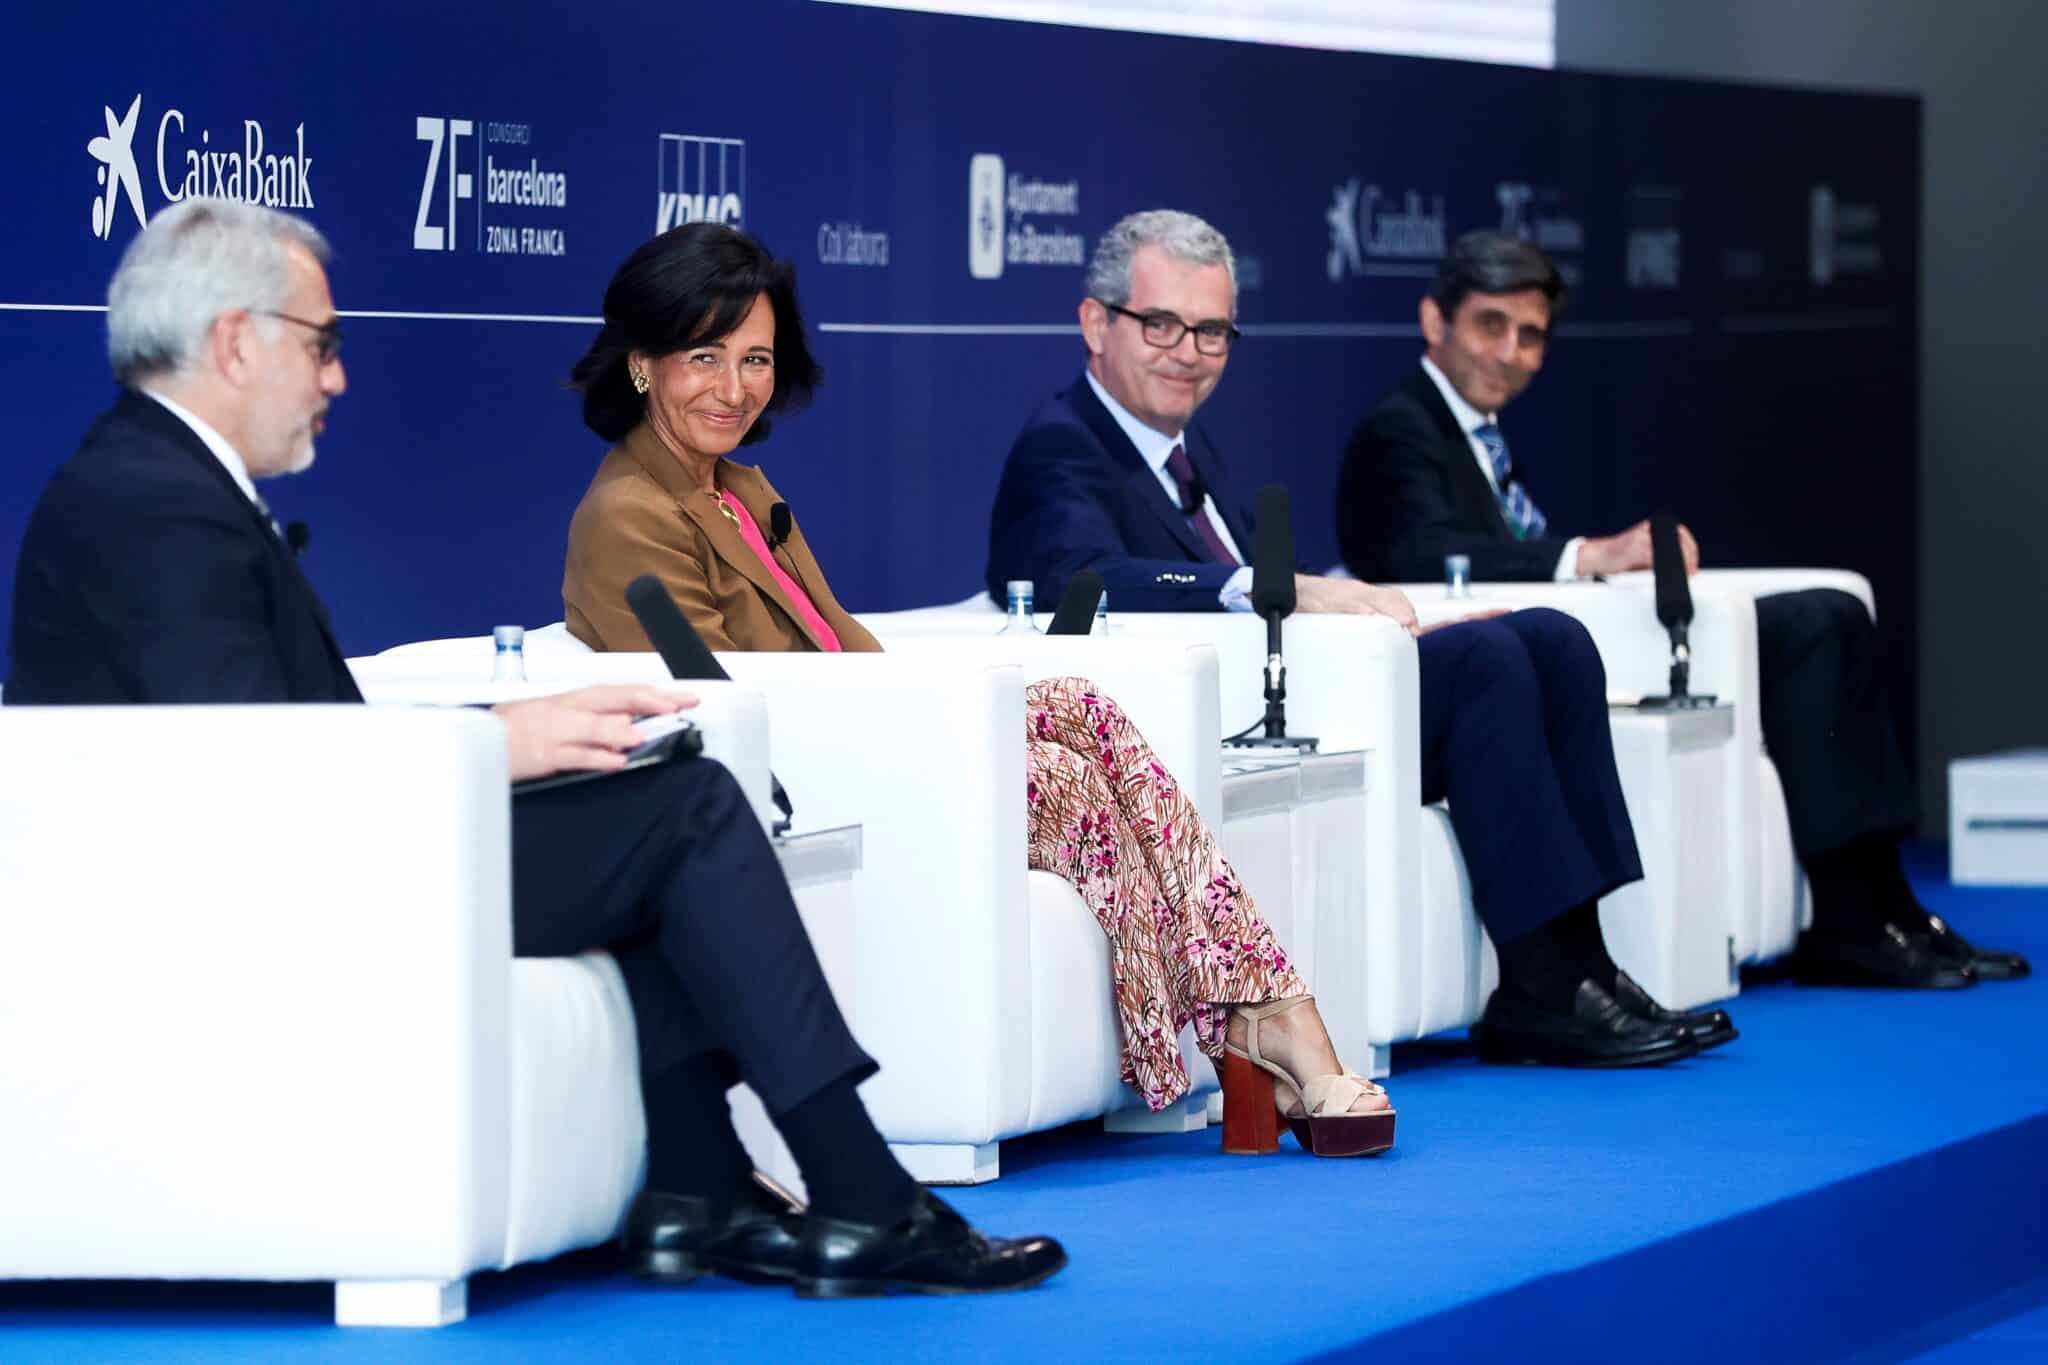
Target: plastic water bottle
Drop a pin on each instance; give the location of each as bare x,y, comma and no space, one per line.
1101,626
509,662
1457,575
1018,619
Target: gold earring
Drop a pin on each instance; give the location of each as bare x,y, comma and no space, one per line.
639,381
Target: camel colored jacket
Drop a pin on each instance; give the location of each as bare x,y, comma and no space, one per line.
640,515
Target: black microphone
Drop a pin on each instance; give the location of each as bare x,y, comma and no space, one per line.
1273,597
683,650
1667,563
1076,615
1273,555
779,525
1674,610
297,536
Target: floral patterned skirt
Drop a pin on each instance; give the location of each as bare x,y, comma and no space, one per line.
1186,943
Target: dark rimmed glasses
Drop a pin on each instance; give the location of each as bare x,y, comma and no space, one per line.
329,334
1164,330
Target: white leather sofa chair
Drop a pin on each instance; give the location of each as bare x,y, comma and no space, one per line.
1410,963
981,987
259,1015
1771,905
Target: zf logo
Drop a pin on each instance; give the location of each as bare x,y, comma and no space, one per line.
699,180
435,132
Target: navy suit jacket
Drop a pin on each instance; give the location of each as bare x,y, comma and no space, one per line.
1075,494
147,576
1410,492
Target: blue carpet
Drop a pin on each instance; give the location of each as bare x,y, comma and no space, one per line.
1858,1169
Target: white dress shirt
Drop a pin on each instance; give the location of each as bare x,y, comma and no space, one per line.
1153,449
1470,419
215,442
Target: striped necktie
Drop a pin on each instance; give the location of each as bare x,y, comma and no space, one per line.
1192,498
1517,508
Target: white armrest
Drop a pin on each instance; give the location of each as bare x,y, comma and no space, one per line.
925,754
732,719
253,992
1170,692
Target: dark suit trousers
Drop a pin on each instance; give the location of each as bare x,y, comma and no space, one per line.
1515,738
1827,720
668,868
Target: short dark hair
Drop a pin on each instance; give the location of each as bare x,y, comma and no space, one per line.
690,286
1488,262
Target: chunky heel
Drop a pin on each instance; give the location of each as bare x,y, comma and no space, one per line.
1251,1123
1258,1093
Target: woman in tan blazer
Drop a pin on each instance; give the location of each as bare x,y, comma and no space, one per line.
703,341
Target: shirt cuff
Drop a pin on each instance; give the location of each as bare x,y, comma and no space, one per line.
1237,592
1568,562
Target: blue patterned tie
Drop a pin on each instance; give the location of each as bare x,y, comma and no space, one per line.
1522,514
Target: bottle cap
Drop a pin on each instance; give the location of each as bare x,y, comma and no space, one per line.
1018,587
509,637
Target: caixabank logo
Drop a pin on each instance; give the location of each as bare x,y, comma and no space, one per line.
1377,232
522,197
1012,219
189,162
699,179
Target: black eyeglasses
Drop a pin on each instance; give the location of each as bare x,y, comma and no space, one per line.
329,334
1164,330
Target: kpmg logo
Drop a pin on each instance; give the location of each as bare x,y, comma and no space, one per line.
699,180
1656,237
510,190
1372,233
1006,219
244,170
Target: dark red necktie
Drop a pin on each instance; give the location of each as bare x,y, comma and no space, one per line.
1191,495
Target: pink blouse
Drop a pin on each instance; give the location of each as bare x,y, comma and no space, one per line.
751,533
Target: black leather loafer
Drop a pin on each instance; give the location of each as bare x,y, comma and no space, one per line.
1596,1031
1988,964
931,1250
1891,958
674,1238
1709,1028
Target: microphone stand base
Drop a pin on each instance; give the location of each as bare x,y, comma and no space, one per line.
1303,743
1695,701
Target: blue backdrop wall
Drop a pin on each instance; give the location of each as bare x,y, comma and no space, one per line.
1740,345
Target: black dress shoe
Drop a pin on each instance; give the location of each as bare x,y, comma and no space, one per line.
931,1250
1889,957
674,1238
1709,1028
1989,964
1596,1031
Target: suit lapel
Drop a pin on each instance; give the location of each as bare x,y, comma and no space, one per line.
1141,485
153,416
703,511
1468,485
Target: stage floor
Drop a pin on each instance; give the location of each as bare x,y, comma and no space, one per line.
1863,1175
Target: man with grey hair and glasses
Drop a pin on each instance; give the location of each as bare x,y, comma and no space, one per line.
151,572
1112,475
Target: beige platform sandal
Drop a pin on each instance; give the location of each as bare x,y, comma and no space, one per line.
1258,1092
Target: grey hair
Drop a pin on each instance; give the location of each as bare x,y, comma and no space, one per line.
1182,236
195,261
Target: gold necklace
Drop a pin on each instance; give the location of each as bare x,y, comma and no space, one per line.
718,496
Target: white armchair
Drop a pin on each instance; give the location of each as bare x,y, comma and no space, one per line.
261,1015
981,987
